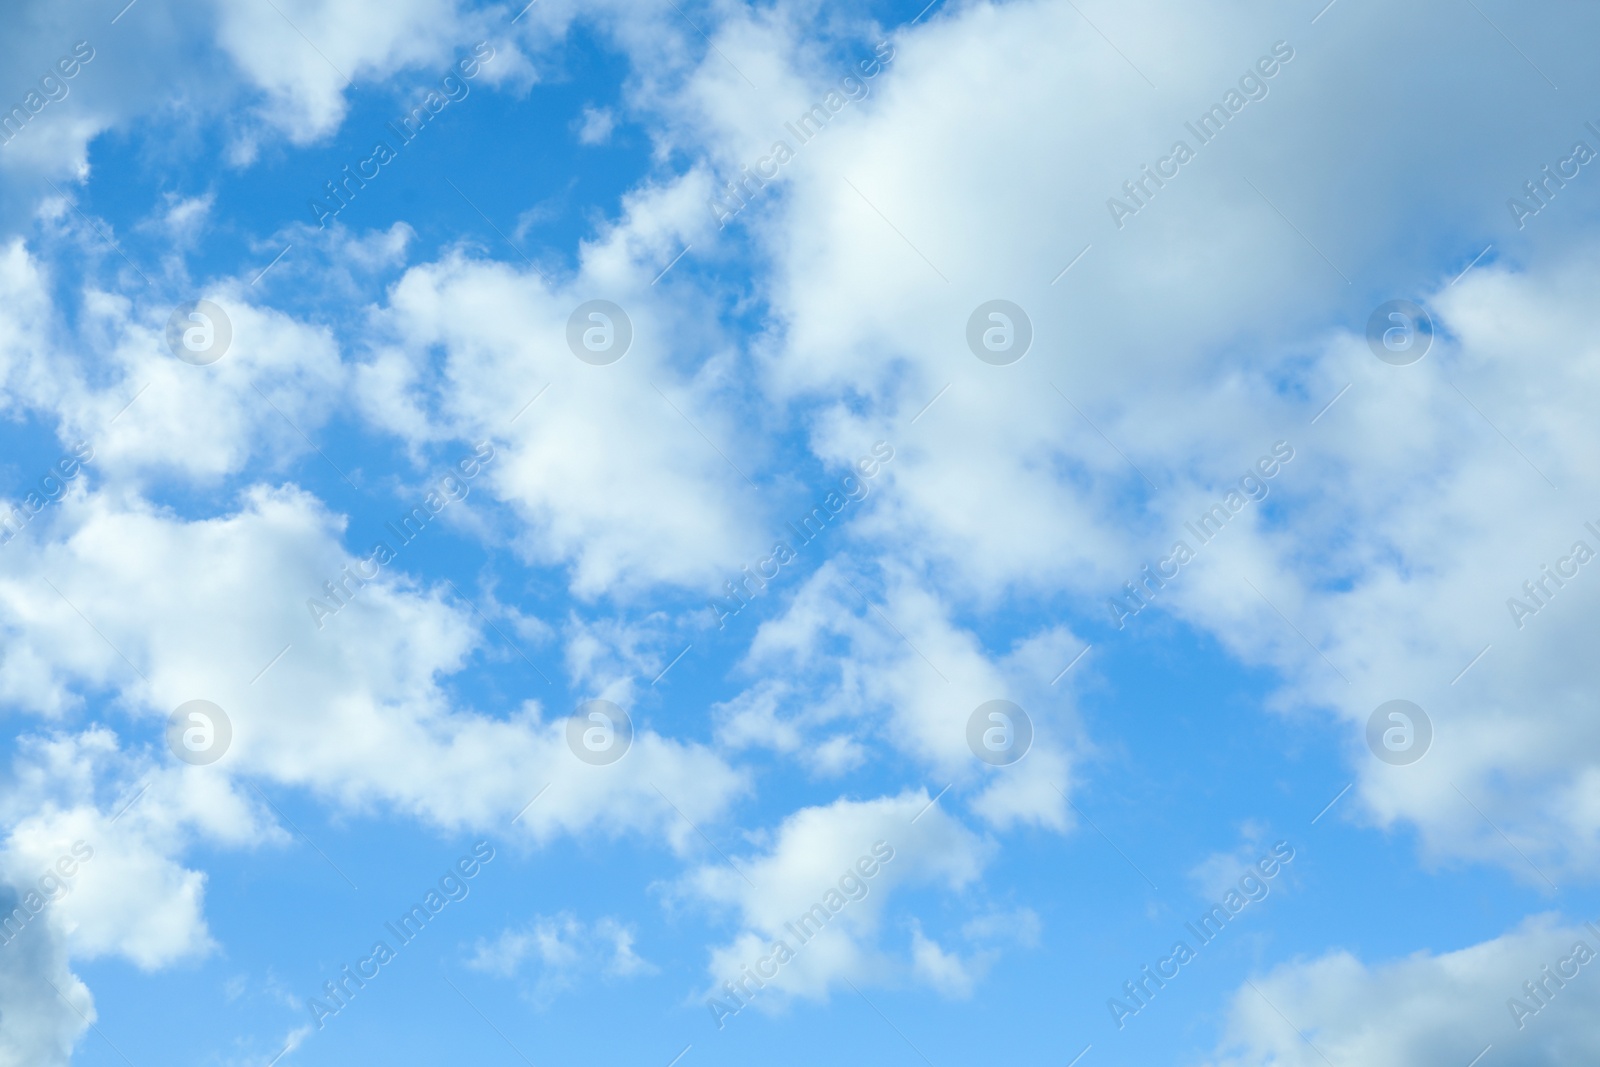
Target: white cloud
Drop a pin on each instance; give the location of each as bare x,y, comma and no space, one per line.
354,711
1425,1010
1186,344
299,54
1218,874
596,125
1180,349
26,372
115,383
631,474
39,1025
561,950
102,830
53,114
811,862
944,971
1019,925
906,664
1408,523
198,58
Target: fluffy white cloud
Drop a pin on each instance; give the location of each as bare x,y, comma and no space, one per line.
25,368
57,95
1178,350
833,664
299,54
114,382
1427,1009
631,474
112,824
274,384
95,879
1406,526
822,886
1189,341
354,711
197,57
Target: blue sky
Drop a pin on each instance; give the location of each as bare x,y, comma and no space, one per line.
979,514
